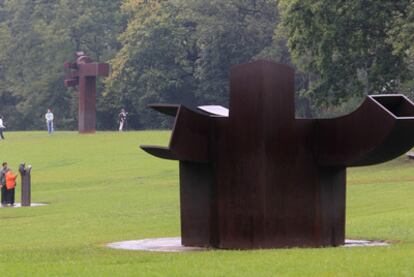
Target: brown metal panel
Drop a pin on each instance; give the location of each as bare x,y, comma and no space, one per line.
87,105
331,209
190,136
167,109
198,212
93,69
103,69
258,140
160,152
71,82
25,174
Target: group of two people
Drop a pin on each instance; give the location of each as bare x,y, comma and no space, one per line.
8,185
49,122
122,119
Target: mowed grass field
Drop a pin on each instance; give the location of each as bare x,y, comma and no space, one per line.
102,188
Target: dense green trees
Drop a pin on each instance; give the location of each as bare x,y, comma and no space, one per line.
182,50
154,63
35,38
349,47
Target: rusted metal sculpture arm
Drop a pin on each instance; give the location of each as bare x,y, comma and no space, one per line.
190,135
167,109
381,129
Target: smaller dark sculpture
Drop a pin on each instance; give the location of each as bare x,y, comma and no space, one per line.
84,76
26,184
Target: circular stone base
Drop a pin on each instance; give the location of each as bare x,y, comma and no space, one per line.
156,244
19,205
363,243
174,245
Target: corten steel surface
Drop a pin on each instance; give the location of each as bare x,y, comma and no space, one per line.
26,185
84,76
259,178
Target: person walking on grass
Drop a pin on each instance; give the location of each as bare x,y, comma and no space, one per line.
1,127
10,186
49,121
122,119
3,172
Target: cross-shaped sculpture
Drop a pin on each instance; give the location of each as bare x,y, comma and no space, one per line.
257,177
84,76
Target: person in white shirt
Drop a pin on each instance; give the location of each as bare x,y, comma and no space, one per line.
49,121
1,127
122,119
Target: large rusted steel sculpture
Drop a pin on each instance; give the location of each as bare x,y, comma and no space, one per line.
84,76
259,178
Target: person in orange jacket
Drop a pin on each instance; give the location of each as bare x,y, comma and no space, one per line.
10,186
3,172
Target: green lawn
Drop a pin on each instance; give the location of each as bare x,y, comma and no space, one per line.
102,188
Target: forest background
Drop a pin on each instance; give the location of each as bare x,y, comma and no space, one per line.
181,51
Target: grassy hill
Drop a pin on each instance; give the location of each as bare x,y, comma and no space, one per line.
102,188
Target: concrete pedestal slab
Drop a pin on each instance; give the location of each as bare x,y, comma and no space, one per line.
19,205
174,245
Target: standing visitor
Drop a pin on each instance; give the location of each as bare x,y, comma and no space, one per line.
10,186
122,118
3,172
1,127
49,121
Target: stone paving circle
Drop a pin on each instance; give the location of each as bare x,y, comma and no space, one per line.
19,205
174,245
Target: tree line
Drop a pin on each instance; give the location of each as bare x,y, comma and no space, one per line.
181,51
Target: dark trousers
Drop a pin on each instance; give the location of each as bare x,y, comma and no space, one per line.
3,195
10,196
1,133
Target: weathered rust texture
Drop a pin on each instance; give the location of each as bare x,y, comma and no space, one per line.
25,174
261,178
84,76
